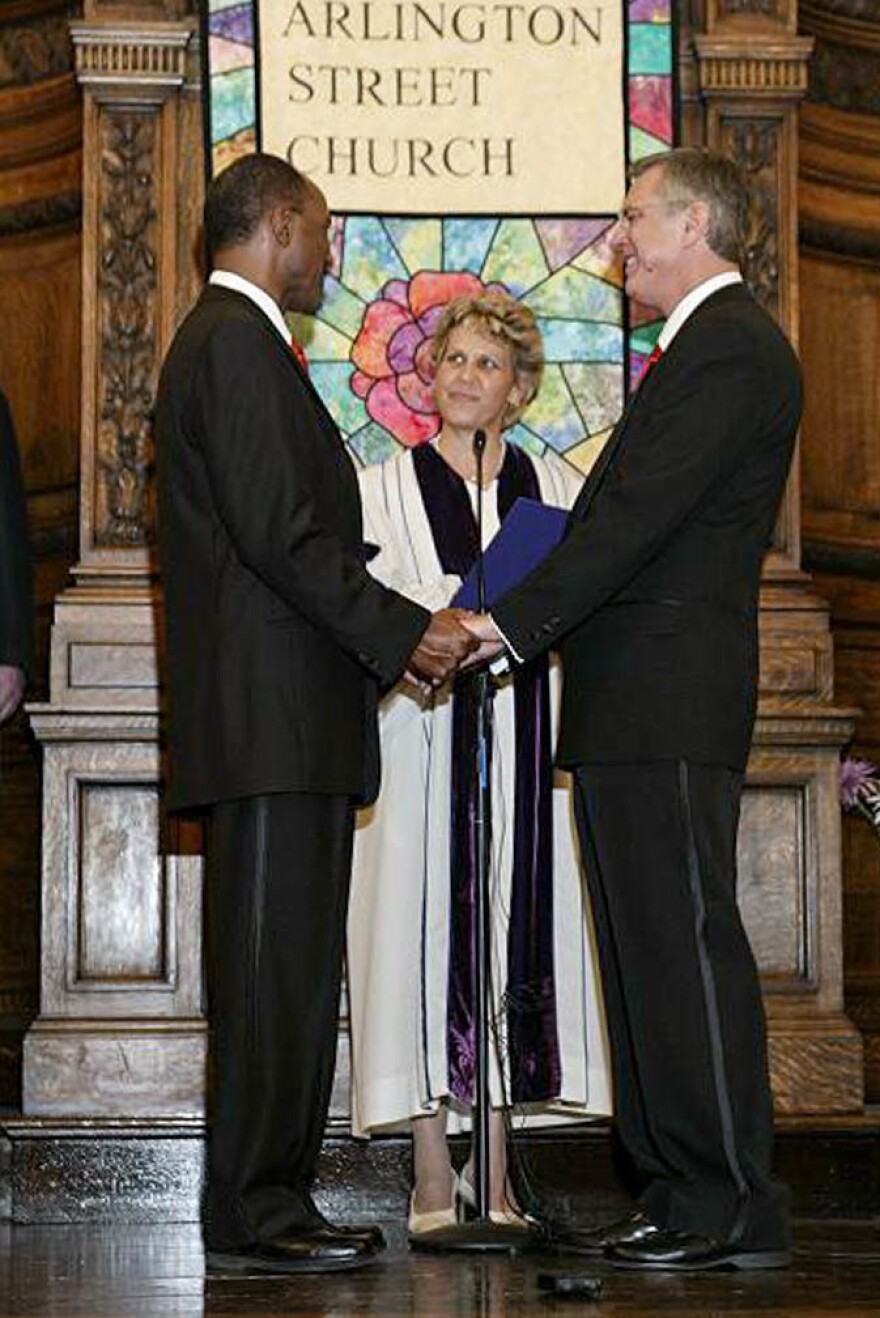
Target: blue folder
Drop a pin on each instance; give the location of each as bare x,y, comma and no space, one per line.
526,536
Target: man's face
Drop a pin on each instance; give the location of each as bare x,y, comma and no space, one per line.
650,237
307,257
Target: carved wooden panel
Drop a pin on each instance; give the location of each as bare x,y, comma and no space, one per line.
121,919
856,610
846,67
755,143
132,76
770,8
98,665
34,41
794,666
751,17
841,348
128,364
840,226
826,1068
752,83
776,907
39,324
144,11
71,1071
123,910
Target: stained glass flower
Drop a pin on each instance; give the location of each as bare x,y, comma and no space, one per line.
392,351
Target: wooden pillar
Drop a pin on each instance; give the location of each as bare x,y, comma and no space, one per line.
748,74
120,1032
839,196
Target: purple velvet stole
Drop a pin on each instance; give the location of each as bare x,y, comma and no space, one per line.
530,998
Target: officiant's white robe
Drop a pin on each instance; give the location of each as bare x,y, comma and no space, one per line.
398,924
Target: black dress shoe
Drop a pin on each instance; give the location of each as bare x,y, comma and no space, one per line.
371,1234
593,1243
685,1251
320,1248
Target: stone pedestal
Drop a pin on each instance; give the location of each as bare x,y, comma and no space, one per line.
120,1030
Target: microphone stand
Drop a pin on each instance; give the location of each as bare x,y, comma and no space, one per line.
481,1235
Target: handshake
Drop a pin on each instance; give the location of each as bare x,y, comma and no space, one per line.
455,639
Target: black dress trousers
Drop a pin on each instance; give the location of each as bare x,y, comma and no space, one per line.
277,879
693,1105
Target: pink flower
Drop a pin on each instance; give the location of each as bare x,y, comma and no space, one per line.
858,778
392,352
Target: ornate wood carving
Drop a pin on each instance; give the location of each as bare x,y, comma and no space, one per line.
846,67
33,47
770,8
846,78
755,144
840,132
132,56
132,75
751,18
839,194
127,293
776,70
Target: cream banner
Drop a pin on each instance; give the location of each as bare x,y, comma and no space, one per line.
448,107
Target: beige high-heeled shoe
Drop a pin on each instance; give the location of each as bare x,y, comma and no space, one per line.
422,1224
506,1216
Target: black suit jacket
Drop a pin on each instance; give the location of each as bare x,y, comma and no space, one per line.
277,637
652,597
16,604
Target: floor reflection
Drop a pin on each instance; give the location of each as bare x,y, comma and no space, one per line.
158,1272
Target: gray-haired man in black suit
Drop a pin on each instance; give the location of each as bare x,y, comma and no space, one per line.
652,600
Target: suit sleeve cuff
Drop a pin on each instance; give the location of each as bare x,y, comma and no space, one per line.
508,646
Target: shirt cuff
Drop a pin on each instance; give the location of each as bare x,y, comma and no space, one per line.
508,646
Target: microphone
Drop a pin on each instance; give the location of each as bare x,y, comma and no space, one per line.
479,449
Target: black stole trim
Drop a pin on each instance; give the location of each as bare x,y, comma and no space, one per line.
529,997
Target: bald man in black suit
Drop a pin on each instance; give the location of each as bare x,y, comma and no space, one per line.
278,643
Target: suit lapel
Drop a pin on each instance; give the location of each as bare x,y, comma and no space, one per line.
216,292
591,486
732,293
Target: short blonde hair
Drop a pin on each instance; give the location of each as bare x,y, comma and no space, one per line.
500,316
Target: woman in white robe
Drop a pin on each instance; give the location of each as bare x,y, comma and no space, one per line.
401,917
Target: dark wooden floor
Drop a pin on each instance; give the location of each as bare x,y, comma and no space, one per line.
158,1272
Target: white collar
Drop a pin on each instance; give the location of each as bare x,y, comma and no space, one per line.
267,304
689,303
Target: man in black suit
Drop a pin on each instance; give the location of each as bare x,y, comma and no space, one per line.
652,599
16,609
278,641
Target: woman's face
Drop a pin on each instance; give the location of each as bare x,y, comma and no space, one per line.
475,381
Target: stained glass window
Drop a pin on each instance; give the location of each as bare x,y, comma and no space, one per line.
391,276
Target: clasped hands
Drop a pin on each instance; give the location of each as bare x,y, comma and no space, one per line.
455,639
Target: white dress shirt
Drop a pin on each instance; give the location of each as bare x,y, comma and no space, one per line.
267,304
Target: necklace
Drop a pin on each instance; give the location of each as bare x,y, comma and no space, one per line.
465,464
